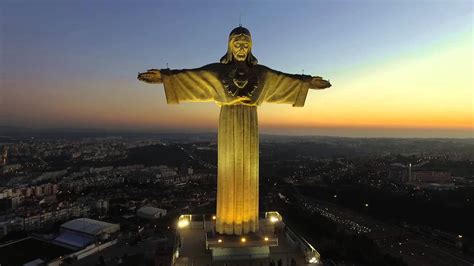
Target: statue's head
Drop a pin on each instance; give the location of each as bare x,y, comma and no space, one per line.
239,47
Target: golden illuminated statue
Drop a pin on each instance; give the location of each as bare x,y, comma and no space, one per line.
238,85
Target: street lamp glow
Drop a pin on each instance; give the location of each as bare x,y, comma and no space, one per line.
219,240
273,219
243,240
266,238
213,217
183,223
366,205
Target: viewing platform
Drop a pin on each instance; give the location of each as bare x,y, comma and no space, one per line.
275,241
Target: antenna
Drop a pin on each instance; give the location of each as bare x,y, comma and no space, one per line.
302,71
240,19
167,65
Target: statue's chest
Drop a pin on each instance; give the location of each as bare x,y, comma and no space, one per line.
240,82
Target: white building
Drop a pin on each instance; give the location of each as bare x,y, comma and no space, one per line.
151,213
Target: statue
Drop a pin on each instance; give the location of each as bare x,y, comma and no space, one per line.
238,84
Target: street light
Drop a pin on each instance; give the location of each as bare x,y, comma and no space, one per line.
182,223
273,219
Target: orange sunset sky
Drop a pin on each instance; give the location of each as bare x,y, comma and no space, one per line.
397,69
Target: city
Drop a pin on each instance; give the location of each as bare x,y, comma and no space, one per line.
404,199
236,133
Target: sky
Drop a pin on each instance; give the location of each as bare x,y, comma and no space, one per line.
399,68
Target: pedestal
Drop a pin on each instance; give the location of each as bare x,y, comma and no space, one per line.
245,247
200,244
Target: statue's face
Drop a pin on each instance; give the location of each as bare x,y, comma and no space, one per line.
240,46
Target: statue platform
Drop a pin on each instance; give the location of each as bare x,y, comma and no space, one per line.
253,245
201,245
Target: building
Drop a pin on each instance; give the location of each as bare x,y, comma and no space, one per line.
150,213
6,193
399,173
10,225
431,176
4,155
39,191
185,170
81,232
77,239
30,251
47,189
165,249
27,192
102,206
10,168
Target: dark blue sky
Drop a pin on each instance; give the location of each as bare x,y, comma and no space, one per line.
319,35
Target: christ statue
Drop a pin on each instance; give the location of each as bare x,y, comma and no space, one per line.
238,84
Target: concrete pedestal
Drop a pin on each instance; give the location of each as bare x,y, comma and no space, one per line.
245,247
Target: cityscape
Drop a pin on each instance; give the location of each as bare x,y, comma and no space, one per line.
403,199
236,133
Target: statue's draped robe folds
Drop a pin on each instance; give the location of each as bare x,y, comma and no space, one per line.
237,181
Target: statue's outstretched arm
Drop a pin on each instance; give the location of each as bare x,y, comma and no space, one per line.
185,85
315,82
152,76
287,88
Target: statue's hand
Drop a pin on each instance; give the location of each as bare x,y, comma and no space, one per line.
151,76
319,83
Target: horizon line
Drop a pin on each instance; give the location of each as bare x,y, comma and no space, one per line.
32,130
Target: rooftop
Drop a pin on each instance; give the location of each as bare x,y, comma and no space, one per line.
150,210
37,249
89,226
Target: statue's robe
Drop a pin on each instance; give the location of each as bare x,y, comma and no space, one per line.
238,155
